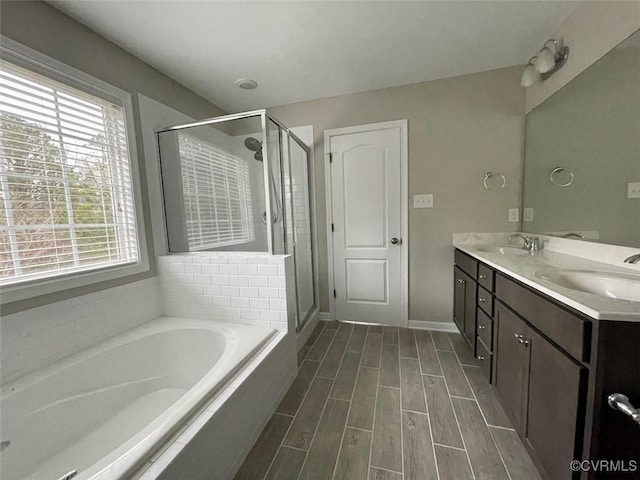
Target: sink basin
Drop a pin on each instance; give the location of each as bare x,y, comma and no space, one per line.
620,286
504,250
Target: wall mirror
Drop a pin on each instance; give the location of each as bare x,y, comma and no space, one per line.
582,154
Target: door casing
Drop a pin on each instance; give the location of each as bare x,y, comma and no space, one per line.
404,206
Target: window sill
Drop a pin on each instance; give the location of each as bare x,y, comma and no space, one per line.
37,288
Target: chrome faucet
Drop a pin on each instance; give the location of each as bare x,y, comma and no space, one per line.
633,259
532,244
573,235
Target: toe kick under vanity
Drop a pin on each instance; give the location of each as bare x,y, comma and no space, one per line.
553,355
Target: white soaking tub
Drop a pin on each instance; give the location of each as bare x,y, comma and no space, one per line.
105,410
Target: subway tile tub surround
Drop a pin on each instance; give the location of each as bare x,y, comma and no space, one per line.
37,337
237,290
248,288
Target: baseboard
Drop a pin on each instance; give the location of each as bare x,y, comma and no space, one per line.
326,316
448,327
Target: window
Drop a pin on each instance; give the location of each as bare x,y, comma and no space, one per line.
216,193
66,197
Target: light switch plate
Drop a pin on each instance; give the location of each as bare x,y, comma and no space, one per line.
527,215
633,190
514,215
423,201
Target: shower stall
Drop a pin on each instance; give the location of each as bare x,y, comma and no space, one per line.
242,183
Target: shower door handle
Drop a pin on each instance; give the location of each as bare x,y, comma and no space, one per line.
274,217
396,241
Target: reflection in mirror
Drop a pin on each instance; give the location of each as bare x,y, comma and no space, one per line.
582,154
213,183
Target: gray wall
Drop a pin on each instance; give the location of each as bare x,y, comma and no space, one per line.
43,28
459,128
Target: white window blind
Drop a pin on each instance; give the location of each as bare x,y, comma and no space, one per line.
217,195
66,199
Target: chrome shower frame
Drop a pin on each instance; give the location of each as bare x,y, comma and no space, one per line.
265,117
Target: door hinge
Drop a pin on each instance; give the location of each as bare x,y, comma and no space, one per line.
333,228
330,157
334,294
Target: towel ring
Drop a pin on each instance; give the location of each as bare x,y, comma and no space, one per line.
488,175
557,170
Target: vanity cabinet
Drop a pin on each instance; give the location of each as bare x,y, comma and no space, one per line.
552,368
464,304
473,304
541,389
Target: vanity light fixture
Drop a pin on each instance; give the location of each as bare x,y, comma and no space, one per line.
545,63
530,76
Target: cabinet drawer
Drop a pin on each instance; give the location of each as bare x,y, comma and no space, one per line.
466,263
566,329
485,301
485,329
485,277
485,358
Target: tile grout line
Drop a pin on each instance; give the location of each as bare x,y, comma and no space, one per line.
344,428
455,414
499,454
424,394
313,344
501,428
297,410
375,407
324,407
449,446
475,399
401,422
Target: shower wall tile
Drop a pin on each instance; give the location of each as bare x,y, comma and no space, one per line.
249,288
34,338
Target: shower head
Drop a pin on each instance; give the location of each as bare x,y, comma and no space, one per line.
254,145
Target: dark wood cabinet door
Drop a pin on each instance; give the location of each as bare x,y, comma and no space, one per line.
458,298
470,300
510,364
554,404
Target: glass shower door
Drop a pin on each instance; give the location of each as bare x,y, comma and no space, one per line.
301,229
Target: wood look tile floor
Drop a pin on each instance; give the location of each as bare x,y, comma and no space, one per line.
382,403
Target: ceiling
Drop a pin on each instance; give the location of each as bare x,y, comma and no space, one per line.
300,51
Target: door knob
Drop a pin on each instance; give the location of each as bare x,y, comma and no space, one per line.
396,241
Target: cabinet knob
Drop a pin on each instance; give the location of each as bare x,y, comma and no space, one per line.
483,277
460,280
517,335
481,327
482,300
480,357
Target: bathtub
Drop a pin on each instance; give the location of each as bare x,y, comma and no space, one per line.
105,410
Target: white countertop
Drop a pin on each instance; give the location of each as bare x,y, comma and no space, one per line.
524,267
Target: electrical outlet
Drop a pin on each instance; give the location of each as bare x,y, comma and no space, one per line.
423,201
514,215
527,215
633,190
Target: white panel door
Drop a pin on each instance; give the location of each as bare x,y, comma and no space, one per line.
366,216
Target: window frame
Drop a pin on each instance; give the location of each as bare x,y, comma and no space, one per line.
25,57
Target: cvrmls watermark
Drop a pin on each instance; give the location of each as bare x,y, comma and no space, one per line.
621,466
